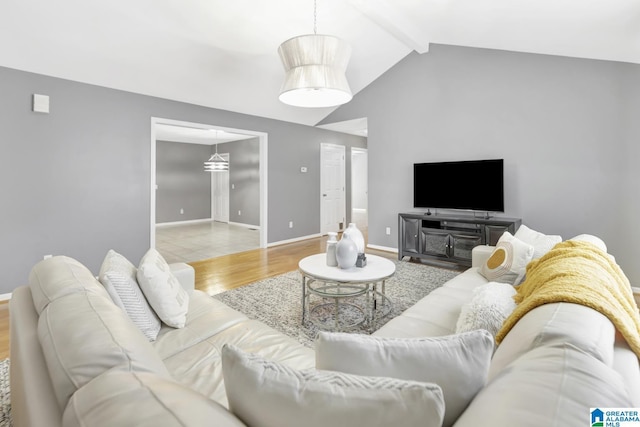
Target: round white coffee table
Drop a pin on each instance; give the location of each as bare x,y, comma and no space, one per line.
337,284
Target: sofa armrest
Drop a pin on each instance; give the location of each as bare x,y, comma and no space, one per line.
33,401
185,274
480,254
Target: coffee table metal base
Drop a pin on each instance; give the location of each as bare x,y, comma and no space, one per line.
344,299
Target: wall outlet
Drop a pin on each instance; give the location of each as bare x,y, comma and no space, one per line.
290,224
239,213
388,231
181,211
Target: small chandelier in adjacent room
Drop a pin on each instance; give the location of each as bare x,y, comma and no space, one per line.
216,163
315,68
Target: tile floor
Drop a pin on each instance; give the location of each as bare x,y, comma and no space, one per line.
198,241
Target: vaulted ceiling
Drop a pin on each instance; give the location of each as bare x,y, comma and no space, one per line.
223,54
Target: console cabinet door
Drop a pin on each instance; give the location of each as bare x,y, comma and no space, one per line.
492,233
435,242
411,235
462,244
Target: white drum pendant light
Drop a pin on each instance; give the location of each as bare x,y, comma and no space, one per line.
216,163
315,67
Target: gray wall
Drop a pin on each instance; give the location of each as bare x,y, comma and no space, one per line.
182,182
244,180
77,181
566,128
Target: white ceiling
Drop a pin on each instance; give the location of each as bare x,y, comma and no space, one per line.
223,54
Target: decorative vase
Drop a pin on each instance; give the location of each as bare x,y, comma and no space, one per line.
331,249
355,235
346,252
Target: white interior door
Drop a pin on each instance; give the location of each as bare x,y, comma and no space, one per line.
359,187
220,194
332,188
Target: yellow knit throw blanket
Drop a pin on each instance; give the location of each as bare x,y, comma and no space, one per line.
579,272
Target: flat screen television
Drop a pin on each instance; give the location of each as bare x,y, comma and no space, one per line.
476,185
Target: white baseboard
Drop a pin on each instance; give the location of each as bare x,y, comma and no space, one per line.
5,297
190,221
239,224
383,248
297,239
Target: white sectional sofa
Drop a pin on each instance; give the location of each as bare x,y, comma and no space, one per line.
78,360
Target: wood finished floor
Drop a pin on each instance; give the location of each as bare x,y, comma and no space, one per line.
219,274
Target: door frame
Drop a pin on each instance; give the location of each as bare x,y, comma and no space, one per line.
323,146
263,137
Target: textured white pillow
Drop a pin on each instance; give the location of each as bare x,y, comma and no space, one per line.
490,306
459,364
163,291
269,394
508,262
542,243
118,276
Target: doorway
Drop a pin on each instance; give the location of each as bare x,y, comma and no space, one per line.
359,187
157,122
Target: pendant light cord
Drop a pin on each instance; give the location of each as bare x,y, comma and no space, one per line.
315,18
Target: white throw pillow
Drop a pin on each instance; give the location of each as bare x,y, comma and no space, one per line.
118,276
542,243
163,291
459,364
269,394
508,262
490,305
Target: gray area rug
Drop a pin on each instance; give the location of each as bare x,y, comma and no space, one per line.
277,301
5,395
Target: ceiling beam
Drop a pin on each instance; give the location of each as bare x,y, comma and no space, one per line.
393,22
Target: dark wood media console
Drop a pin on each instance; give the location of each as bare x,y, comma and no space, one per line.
447,237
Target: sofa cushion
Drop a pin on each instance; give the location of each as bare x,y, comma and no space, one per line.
138,398
491,304
437,313
83,335
549,324
552,385
268,394
248,335
594,240
508,262
118,276
542,243
457,363
163,290
206,318
59,276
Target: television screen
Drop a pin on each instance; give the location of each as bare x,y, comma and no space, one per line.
471,185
